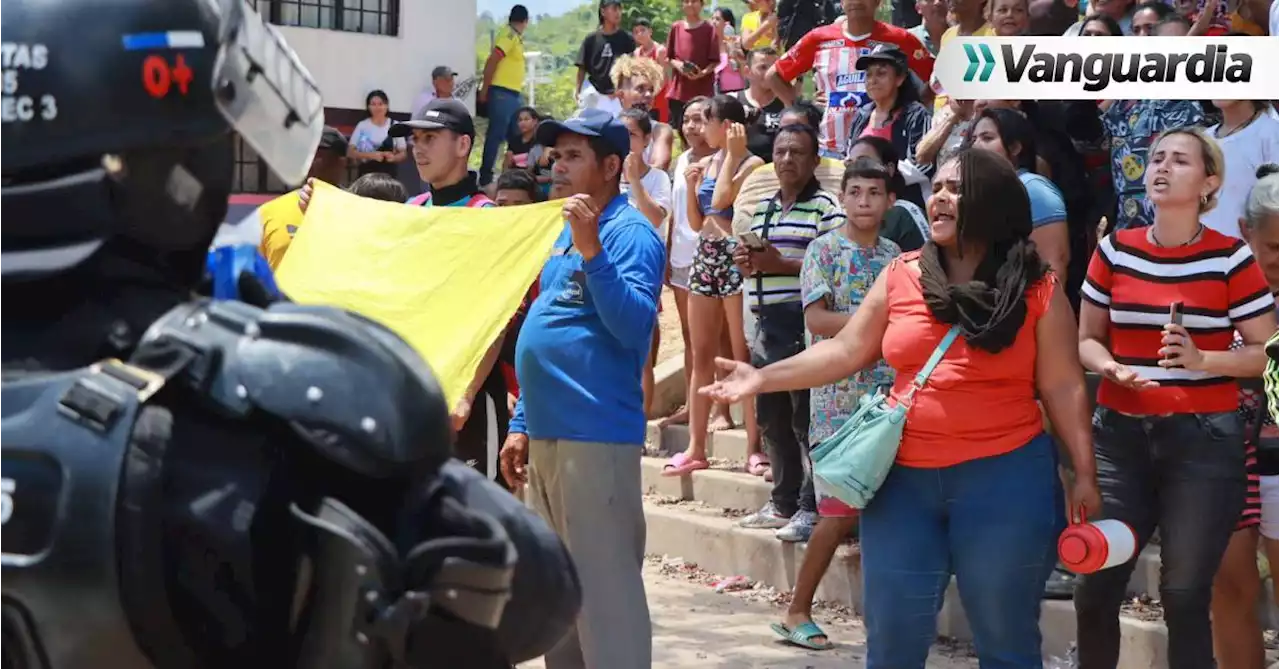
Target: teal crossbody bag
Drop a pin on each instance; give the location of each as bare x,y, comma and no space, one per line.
851,464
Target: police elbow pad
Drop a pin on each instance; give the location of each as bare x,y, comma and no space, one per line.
433,601
352,389
546,594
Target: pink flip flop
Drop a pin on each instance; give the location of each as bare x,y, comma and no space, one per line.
681,464
758,464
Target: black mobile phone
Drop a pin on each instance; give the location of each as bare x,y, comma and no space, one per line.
1175,316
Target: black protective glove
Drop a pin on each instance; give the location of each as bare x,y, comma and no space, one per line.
545,591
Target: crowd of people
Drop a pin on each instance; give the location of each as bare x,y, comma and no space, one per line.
820,250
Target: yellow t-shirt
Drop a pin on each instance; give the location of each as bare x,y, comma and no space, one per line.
510,71
280,219
751,23
941,98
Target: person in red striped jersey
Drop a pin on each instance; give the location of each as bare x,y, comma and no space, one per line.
831,52
1168,440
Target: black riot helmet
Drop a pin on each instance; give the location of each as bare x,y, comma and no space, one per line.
121,135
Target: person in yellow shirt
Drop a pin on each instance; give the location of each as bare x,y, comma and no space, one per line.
500,90
969,19
281,217
760,25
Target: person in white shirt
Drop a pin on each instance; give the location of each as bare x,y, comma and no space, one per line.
371,146
1249,137
682,242
649,190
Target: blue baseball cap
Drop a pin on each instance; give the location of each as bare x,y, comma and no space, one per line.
588,123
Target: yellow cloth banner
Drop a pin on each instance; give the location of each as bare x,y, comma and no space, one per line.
446,279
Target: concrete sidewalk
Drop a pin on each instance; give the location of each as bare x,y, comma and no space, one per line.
696,627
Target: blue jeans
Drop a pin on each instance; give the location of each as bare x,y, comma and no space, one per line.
503,103
994,523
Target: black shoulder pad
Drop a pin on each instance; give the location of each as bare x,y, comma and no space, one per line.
352,388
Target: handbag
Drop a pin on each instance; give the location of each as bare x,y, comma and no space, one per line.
851,464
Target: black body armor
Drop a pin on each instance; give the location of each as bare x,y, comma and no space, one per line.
118,528
191,484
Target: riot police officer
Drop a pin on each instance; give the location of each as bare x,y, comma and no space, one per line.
189,483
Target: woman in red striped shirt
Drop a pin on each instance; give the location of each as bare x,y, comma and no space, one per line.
1168,440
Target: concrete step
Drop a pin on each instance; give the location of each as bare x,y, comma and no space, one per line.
717,488
725,444
738,490
712,540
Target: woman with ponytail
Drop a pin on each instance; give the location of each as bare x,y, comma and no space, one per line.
1169,440
975,489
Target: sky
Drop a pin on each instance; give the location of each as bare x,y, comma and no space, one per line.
500,8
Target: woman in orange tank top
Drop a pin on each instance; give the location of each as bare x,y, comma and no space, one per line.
975,491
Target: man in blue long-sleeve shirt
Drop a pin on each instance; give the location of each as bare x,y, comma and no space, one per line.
580,423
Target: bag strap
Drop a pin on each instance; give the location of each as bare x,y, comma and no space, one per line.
929,366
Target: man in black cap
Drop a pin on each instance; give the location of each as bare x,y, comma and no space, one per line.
503,79
579,425
440,137
595,58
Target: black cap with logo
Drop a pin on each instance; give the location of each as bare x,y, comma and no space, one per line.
889,54
439,114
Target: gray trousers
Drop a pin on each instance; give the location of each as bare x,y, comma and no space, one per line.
590,494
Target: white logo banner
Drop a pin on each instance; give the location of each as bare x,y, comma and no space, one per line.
1110,68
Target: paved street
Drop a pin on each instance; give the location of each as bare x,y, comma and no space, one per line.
694,626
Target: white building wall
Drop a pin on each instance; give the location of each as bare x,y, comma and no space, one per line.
348,65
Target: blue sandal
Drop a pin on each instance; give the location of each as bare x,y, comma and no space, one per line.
803,635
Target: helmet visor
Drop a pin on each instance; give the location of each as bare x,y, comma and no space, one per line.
264,92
